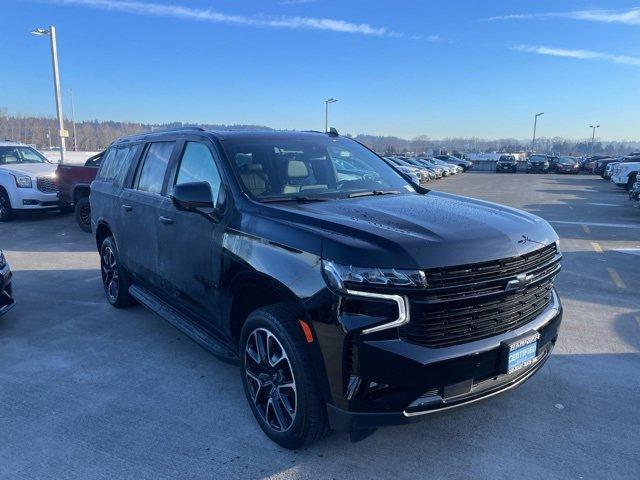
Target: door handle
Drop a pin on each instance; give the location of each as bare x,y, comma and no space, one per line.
166,220
127,208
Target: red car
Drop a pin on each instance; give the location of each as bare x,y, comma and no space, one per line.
74,183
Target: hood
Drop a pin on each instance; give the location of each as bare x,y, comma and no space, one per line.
415,231
32,169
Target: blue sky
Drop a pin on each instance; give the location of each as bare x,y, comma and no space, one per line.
401,67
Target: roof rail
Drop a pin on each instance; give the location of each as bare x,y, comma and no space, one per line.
164,130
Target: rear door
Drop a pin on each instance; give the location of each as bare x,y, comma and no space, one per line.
140,205
190,243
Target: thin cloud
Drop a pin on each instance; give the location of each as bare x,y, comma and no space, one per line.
210,15
578,54
626,17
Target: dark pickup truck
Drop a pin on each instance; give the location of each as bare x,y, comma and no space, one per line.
74,187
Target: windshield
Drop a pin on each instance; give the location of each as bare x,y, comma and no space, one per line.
537,158
14,155
309,167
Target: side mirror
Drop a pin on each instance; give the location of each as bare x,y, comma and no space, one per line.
192,196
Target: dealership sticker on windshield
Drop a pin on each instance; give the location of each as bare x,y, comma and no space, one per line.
519,352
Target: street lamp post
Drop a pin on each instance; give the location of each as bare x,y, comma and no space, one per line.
593,135
535,125
56,83
326,112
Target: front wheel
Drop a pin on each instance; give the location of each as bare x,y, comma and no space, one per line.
279,380
6,212
115,278
630,182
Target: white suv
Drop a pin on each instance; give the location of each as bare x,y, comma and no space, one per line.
27,180
624,174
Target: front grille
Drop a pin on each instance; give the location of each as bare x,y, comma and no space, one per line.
47,184
471,302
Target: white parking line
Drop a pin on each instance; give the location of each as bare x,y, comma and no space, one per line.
609,225
605,204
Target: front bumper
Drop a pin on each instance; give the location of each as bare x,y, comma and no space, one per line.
33,199
537,168
421,380
6,300
506,168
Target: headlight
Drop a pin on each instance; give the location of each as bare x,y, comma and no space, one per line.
546,164
3,261
339,275
23,181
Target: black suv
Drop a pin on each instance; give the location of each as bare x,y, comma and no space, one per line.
507,163
350,300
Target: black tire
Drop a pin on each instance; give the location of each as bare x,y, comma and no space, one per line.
115,278
6,212
630,181
83,214
300,417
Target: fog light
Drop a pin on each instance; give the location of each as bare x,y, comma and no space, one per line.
29,202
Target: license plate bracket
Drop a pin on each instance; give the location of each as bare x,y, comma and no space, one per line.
519,352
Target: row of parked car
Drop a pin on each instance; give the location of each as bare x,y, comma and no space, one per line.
422,169
539,164
623,172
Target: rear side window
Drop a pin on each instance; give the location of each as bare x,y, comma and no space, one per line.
198,165
115,164
150,176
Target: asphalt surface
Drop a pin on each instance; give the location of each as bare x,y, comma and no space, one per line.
91,392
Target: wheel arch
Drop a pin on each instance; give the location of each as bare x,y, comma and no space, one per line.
80,191
102,231
249,291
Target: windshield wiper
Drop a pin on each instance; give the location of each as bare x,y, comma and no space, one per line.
373,192
299,199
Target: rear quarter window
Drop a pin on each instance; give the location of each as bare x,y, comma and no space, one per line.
116,163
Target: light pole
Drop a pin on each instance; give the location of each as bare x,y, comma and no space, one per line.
535,125
56,83
593,136
73,122
326,112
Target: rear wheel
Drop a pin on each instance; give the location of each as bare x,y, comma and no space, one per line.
115,278
279,380
6,212
83,214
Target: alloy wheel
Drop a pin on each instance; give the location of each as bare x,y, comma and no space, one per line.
110,273
270,380
85,215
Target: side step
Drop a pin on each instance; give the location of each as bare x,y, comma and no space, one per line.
206,340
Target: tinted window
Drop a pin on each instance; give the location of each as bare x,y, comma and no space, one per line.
151,175
116,164
198,165
106,164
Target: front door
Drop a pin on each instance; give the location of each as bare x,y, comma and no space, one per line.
190,243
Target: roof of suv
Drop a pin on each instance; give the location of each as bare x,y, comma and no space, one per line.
220,134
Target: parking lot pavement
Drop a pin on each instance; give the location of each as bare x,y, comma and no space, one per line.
87,391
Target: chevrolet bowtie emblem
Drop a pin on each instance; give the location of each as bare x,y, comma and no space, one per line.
519,283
